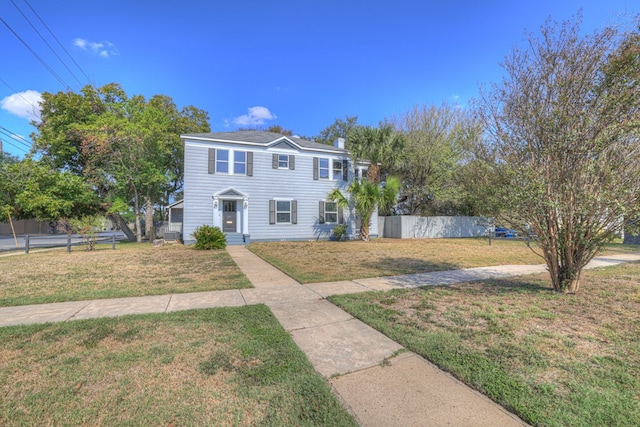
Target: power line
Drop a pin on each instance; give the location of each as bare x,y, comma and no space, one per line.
58,41
14,145
42,61
19,94
45,42
20,139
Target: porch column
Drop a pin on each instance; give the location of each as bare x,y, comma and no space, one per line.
245,216
216,213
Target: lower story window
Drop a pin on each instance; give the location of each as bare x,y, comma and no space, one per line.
283,212
331,212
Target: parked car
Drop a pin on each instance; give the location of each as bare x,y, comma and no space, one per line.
505,232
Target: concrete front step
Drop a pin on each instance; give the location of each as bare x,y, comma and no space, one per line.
235,239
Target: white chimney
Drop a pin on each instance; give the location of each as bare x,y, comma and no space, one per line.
339,143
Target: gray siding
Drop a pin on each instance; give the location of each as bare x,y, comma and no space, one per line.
265,184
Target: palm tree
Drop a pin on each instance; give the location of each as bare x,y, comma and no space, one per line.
365,196
381,146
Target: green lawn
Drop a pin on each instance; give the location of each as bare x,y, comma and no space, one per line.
222,367
130,270
552,359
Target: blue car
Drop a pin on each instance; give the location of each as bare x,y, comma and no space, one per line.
505,232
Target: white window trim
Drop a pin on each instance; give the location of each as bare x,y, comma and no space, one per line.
276,211
229,153
286,160
328,168
330,212
333,171
232,171
231,161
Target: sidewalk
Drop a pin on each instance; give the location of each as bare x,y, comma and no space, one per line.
380,382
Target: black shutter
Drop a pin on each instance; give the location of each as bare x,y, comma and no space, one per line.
272,211
292,162
340,216
315,168
345,170
274,161
212,160
294,212
321,212
250,163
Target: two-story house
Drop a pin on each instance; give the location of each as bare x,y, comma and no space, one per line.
263,186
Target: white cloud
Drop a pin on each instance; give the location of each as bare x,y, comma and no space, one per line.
104,49
256,116
23,104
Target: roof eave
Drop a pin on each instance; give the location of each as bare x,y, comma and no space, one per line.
329,149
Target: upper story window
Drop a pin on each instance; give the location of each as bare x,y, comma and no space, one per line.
337,170
239,163
283,161
323,168
231,162
222,161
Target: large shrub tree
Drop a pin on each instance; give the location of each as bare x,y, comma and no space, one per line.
33,189
564,126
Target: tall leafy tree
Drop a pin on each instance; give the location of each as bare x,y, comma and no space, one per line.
127,148
279,129
340,128
123,156
437,146
564,124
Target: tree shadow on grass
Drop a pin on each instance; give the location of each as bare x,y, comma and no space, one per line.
511,286
488,280
406,265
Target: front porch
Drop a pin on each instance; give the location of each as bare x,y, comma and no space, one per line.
231,215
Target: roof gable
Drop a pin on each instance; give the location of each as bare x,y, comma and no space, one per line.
284,144
231,193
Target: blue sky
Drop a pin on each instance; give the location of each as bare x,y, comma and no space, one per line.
299,64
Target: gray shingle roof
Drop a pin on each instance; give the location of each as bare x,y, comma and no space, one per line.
259,137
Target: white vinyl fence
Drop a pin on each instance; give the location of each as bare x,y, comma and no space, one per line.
432,227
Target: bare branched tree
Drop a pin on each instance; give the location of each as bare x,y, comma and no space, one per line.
564,123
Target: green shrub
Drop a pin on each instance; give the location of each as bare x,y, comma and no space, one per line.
340,231
208,237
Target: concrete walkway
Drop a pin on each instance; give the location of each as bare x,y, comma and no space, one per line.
381,383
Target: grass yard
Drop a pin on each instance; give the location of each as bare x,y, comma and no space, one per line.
554,360
223,367
131,270
327,261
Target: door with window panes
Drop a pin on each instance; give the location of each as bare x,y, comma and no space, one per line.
229,216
